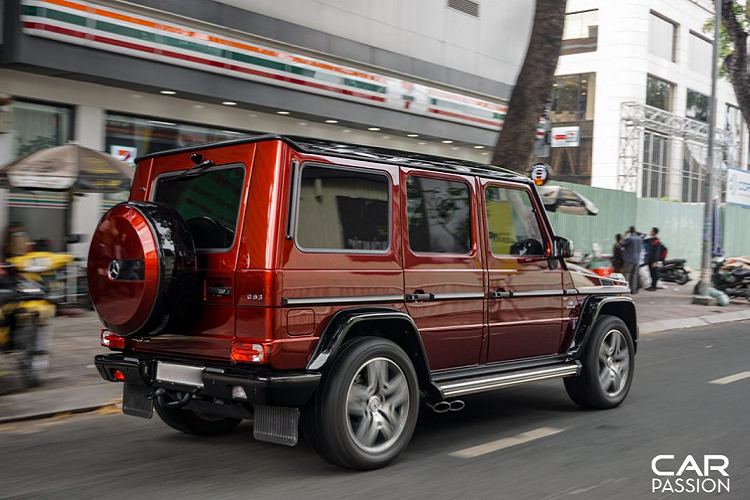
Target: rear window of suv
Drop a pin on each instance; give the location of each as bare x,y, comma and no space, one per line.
209,203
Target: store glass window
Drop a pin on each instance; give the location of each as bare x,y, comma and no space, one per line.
693,171
43,214
659,93
130,136
581,32
700,54
661,37
697,106
38,126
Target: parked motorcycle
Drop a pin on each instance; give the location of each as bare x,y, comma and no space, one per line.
25,330
735,281
673,271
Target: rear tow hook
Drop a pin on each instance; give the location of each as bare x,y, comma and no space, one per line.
446,406
160,396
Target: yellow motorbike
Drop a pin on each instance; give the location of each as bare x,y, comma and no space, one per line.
46,268
25,331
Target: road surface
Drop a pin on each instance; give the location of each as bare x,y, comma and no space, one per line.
690,397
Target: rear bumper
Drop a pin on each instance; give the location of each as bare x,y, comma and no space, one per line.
262,386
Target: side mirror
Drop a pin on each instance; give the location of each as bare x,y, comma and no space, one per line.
562,248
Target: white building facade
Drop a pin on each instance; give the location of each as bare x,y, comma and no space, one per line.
656,56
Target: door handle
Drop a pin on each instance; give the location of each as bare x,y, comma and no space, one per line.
501,294
219,291
419,296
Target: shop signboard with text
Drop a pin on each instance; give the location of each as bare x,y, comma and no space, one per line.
565,137
738,187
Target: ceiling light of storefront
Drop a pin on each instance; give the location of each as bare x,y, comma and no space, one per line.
229,103
412,135
478,147
373,129
282,112
167,92
332,121
447,142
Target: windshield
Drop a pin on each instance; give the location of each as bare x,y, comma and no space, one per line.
209,203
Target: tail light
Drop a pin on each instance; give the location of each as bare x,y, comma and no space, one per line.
246,352
118,375
114,341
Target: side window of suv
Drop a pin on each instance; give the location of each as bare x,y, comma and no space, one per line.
343,209
439,215
512,222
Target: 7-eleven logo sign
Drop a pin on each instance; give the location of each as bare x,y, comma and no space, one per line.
124,153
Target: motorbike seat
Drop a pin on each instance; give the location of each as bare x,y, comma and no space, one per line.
674,261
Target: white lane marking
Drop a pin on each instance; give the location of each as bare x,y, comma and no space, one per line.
730,379
503,443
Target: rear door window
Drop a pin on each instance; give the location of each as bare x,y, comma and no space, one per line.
343,210
512,222
439,215
209,203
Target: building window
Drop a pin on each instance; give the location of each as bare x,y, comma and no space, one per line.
439,215
342,209
581,32
693,172
142,135
572,109
573,98
512,224
697,106
654,173
700,54
733,153
659,93
38,126
661,40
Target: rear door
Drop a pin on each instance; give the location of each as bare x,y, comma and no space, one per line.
443,269
210,202
525,299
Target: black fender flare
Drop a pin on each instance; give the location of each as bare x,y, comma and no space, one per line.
343,322
595,306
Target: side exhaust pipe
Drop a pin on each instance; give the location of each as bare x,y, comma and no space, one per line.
446,406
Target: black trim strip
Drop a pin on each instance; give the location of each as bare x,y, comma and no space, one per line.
356,299
603,290
458,296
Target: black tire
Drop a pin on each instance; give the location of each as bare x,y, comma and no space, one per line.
196,424
680,276
327,421
586,389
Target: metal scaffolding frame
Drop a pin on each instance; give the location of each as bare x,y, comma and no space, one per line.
636,118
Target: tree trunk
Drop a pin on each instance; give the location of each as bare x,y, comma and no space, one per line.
736,63
532,89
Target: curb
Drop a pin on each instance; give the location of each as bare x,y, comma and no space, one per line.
41,416
679,323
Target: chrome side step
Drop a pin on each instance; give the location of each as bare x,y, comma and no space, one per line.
492,382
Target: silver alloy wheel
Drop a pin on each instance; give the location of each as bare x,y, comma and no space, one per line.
377,405
614,363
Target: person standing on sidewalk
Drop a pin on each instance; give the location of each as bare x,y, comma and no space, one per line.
617,261
631,256
653,255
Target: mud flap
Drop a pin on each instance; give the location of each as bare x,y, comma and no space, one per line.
276,424
136,401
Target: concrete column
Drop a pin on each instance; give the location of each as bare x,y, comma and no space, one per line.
89,133
5,157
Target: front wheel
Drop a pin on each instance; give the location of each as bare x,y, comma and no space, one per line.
364,413
607,372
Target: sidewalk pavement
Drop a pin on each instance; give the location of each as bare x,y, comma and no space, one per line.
73,384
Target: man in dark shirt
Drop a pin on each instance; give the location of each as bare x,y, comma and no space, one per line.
631,255
617,261
653,256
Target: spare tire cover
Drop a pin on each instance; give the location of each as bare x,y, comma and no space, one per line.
142,269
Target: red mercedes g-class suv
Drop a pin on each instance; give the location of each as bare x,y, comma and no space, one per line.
295,281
